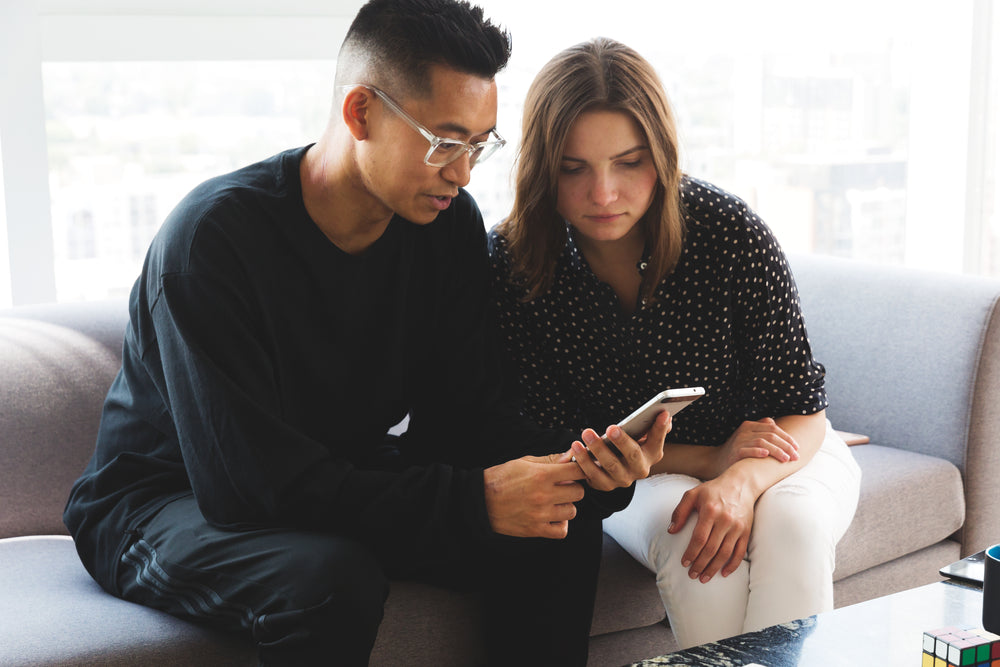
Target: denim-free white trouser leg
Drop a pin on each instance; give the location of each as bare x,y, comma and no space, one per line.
788,570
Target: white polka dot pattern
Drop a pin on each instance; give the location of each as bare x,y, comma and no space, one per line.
727,319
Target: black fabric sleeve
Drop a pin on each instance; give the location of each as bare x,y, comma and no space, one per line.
528,378
469,411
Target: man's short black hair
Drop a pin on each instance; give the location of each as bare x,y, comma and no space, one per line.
393,43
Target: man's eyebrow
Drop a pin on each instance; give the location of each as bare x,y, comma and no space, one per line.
634,149
460,130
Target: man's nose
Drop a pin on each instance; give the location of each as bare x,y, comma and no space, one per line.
458,172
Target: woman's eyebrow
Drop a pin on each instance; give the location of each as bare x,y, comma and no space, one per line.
634,149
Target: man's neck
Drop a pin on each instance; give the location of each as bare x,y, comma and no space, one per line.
337,200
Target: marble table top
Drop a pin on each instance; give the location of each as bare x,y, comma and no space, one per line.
884,631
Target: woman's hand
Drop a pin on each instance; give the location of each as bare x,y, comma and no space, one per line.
725,517
758,455
758,440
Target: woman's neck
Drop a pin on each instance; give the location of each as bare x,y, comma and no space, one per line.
616,263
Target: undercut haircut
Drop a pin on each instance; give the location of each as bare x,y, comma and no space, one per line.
392,44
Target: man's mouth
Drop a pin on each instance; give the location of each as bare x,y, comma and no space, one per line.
441,202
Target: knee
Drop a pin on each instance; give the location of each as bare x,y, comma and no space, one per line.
333,595
793,523
322,570
666,550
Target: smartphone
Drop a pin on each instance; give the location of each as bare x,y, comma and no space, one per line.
671,400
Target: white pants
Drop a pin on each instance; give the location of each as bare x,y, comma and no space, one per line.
788,570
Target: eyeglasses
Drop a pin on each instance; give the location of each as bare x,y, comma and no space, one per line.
443,151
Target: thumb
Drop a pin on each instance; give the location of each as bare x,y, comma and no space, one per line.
656,435
564,457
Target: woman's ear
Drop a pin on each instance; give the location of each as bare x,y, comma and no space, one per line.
355,109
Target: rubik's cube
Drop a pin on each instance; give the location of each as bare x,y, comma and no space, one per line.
961,647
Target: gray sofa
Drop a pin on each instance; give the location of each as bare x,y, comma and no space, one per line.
912,361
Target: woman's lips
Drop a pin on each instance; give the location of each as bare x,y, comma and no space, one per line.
605,217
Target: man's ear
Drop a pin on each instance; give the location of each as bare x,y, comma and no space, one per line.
355,111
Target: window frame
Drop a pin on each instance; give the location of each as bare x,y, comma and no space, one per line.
33,32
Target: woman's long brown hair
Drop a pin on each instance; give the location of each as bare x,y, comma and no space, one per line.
600,74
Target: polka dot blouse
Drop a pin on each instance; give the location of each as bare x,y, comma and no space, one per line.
727,319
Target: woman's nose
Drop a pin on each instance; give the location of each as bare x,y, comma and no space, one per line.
604,190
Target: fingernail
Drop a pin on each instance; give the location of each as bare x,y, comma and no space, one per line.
706,579
589,437
686,563
614,431
671,527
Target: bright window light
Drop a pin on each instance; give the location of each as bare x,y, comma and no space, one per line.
5,294
128,140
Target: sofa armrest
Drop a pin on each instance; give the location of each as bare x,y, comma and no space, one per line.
56,363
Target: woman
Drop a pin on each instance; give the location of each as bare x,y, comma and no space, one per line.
618,276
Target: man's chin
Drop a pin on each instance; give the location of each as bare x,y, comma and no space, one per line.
422,217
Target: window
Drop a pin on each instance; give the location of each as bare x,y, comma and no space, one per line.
127,140
835,122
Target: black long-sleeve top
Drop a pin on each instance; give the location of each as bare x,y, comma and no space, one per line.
263,366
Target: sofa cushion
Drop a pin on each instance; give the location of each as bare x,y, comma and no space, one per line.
53,613
627,596
908,501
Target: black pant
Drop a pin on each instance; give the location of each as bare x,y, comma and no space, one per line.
316,599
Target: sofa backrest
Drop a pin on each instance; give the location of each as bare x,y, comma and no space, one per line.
901,349
913,360
56,364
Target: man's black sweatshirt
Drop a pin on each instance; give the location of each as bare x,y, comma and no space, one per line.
263,366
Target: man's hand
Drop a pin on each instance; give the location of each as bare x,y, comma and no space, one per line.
725,517
611,471
533,496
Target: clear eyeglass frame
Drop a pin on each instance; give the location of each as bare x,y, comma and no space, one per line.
443,151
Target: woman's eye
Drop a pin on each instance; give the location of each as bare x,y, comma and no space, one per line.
631,165
571,171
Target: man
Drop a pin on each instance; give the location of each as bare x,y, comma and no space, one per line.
286,317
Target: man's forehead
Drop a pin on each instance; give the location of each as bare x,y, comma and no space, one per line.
460,103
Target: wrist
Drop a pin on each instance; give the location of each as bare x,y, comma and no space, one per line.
691,460
745,474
